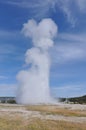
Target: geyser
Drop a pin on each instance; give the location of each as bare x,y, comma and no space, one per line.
34,81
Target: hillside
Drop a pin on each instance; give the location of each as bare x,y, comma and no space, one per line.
80,100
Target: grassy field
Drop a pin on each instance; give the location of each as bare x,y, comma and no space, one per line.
38,124
25,118
46,109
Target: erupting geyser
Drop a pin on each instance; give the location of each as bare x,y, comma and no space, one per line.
34,81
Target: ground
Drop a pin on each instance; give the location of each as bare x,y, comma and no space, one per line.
43,117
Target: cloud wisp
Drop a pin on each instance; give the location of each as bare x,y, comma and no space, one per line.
44,8
66,91
3,77
69,47
7,90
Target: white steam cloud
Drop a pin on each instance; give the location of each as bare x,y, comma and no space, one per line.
34,81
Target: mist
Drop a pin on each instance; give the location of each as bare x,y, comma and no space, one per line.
33,82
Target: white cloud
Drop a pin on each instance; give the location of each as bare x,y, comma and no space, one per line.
69,90
3,77
37,7
82,5
8,45
65,5
8,89
68,53
42,8
69,47
5,33
79,38
6,51
31,3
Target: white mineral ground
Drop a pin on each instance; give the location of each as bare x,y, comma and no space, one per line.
13,110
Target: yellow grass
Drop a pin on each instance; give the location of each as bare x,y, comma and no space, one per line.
55,125
37,124
16,120
56,110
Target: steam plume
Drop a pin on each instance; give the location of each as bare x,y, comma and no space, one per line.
34,82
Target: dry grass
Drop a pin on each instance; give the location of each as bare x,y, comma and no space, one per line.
17,120
55,125
37,124
46,109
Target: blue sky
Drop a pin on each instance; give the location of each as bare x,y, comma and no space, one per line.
68,56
